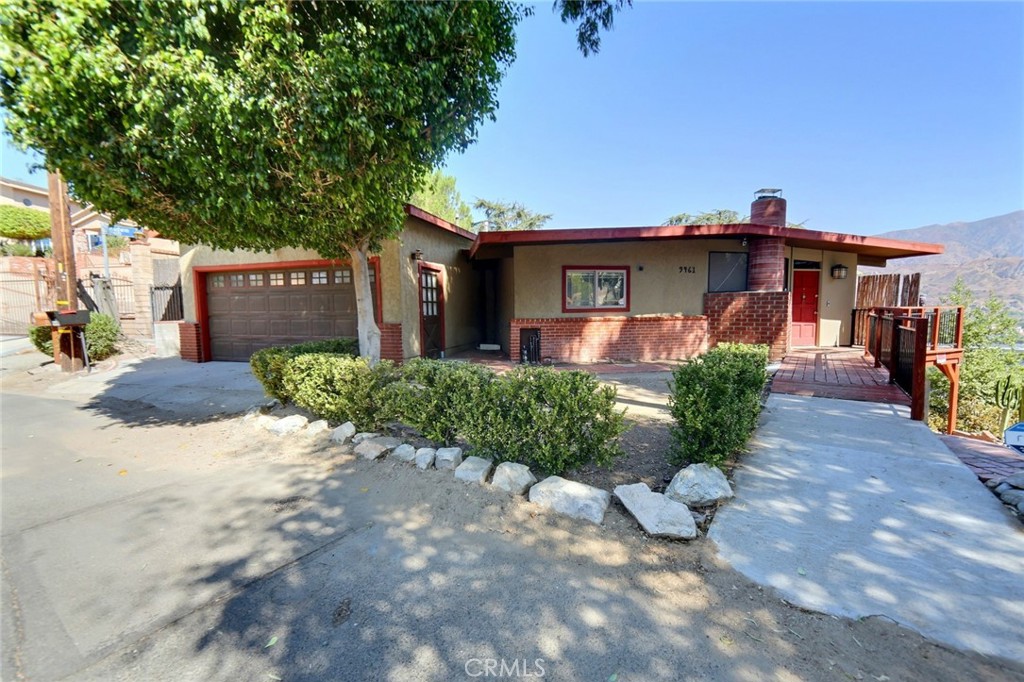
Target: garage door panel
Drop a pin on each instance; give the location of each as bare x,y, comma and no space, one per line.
252,312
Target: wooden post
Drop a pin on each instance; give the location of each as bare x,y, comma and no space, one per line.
918,408
952,372
959,343
935,328
63,245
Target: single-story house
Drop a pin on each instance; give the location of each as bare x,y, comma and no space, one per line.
638,293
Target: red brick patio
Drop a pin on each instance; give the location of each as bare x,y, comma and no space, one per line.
841,373
986,460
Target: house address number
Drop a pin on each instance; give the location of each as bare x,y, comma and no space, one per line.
688,269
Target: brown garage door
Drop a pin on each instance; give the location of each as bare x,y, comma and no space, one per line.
249,310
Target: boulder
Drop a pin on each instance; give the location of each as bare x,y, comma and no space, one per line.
317,429
699,485
571,498
264,421
370,449
425,458
474,470
1012,497
404,453
288,425
1002,488
343,433
1016,480
448,458
513,478
656,514
365,435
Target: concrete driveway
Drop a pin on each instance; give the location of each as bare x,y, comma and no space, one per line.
853,509
153,539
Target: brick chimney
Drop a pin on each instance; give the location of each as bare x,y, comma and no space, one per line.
766,264
769,208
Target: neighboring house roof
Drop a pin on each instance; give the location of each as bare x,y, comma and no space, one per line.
872,250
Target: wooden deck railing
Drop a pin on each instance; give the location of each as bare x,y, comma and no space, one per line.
909,340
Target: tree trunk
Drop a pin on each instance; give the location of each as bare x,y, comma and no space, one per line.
369,333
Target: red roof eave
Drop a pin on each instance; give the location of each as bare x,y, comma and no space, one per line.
417,212
892,248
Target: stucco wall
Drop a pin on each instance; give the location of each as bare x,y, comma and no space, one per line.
660,288
461,285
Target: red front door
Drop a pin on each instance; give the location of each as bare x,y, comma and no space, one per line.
805,307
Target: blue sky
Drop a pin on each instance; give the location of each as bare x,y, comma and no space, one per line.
871,116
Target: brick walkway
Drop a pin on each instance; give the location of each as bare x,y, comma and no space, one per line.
841,373
986,460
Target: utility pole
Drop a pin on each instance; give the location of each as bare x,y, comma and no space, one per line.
63,245
67,325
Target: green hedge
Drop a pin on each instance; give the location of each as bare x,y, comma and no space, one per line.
341,388
550,420
101,337
715,401
439,398
268,364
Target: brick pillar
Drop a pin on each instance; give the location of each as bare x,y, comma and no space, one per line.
766,267
391,341
191,337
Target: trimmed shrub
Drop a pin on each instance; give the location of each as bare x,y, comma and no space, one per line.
101,337
268,364
552,421
42,338
339,388
439,398
715,400
19,222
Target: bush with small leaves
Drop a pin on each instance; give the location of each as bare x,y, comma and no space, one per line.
549,420
439,397
268,364
101,336
42,339
715,400
339,388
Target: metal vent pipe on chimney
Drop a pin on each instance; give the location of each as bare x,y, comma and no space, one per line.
768,208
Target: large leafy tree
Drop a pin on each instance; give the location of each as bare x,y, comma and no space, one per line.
254,125
438,195
504,215
259,124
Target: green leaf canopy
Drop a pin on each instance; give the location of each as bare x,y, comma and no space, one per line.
252,125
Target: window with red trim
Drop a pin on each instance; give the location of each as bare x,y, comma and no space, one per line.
592,288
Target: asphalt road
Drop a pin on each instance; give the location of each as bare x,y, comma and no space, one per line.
141,544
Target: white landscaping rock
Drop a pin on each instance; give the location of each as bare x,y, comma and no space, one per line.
1016,480
370,449
699,485
317,429
448,458
343,433
264,421
404,453
657,515
474,470
513,478
425,457
288,425
571,498
1013,496
365,435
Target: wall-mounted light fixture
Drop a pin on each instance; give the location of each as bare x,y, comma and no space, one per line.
416,255
839,271
744,242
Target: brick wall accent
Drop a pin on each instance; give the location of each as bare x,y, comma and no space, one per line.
191,337
750,317
587,339
766,268
391,341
